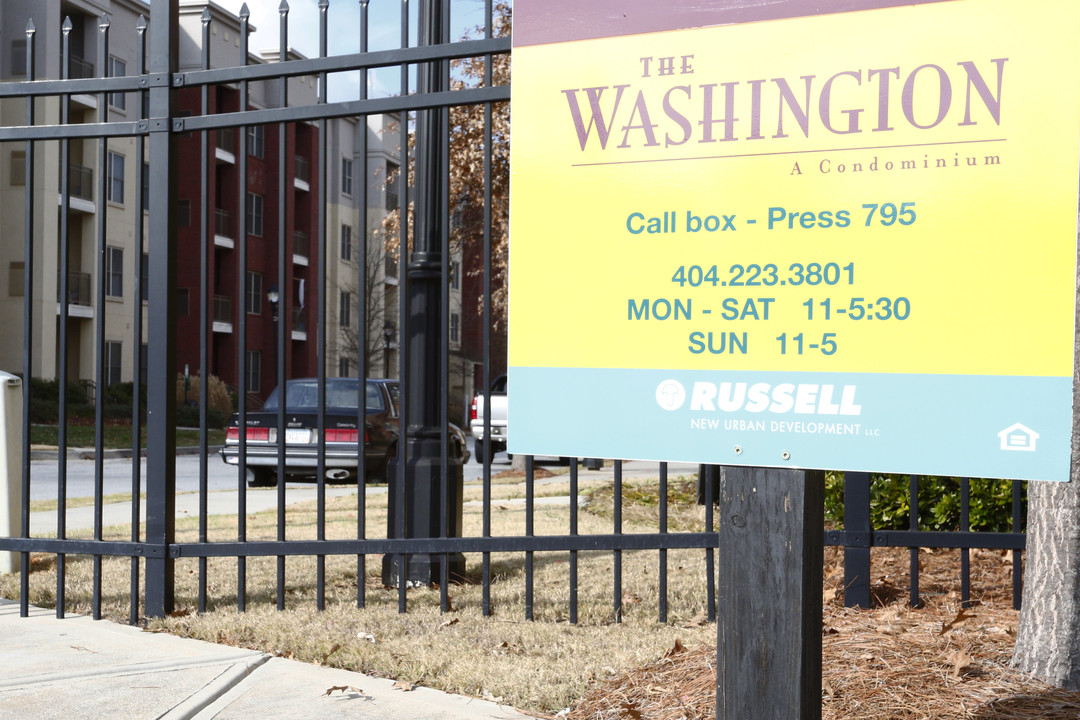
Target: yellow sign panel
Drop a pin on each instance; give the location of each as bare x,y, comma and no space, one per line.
888,192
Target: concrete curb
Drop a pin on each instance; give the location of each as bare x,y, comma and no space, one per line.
110,454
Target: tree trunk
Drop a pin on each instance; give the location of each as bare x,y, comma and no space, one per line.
1048,642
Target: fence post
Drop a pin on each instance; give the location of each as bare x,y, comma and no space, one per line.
161,336
768,653
857,539
11,429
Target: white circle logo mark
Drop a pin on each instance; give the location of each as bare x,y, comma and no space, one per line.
670,395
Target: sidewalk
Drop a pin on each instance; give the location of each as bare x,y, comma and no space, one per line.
80,668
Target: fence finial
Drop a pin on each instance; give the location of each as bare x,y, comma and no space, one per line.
66,27
140,24
103,23
323,4
283,8
206,15
30,29
244,12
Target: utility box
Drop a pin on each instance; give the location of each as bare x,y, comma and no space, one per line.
11,430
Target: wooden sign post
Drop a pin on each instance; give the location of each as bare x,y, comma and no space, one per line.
771,525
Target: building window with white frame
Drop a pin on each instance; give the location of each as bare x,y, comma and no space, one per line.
346,176
253,293
345,309
343,367
346,243
18,168
117,68
256,140
253,369
114,272
115,185
455,327
114,353
255,214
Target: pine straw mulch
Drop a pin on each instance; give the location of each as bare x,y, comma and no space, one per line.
893,662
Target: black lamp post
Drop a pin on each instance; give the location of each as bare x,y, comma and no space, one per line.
388,337
272,297
415,510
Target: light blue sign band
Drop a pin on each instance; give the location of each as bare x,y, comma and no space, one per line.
952,425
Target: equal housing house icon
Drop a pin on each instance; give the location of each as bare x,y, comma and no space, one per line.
1018,437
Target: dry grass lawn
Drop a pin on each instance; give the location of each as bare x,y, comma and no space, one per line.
889,663
543,666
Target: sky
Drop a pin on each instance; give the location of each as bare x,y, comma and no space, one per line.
344,33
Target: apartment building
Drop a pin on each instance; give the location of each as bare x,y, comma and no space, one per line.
274,205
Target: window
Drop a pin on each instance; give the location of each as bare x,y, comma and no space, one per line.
16,284
346,176
345,309
144,278
116,178
254,214
113,356
455,327
393,178
256,135
114,272
18,58
346,242
117,68
343,367
253,293
455,275
18,168
253,369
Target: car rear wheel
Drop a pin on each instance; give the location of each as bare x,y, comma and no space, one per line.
262,477
478,450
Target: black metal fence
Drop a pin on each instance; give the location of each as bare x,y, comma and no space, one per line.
425,485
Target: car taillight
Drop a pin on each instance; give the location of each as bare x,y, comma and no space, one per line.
342,435
472,410
232,435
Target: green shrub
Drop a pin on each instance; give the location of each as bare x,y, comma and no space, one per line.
188,416
49,390
939,503
124,393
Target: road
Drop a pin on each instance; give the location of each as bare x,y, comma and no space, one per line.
223,498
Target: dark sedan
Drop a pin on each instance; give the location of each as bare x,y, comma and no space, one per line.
342,435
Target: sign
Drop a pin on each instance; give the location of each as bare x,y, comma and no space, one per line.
842,241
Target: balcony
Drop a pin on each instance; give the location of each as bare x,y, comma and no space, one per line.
300,248
79,297
225,149
78,69
80,189
223,314
302,176
299,324
223,229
